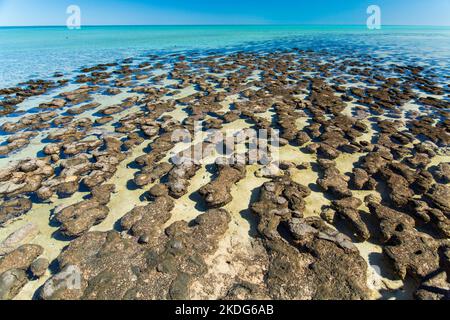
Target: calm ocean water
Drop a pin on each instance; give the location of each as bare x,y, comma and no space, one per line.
37,52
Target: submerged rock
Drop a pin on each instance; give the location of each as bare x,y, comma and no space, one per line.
39,267
391,221
11,209
333,181
413,253
145,221
439,197
348,208
21,258
19,237
317,263
179,178
11,282
442,173
217,193
80,217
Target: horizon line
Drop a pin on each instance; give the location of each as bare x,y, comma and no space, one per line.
218,25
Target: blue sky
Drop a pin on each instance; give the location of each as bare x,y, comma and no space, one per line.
107,12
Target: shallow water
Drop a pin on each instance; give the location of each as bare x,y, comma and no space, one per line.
38,52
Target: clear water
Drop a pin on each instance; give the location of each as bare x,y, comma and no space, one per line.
37,52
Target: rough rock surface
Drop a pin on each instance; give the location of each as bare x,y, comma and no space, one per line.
79,218
333,181
316,262
111,266
348,208
217,193
13,269
21,258
11,282
39,267
19,237
179,178
144,221
412,252
439,197
14,208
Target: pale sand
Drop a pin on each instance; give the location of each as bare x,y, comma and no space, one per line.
237,251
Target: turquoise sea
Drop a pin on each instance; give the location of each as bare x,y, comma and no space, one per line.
37,52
